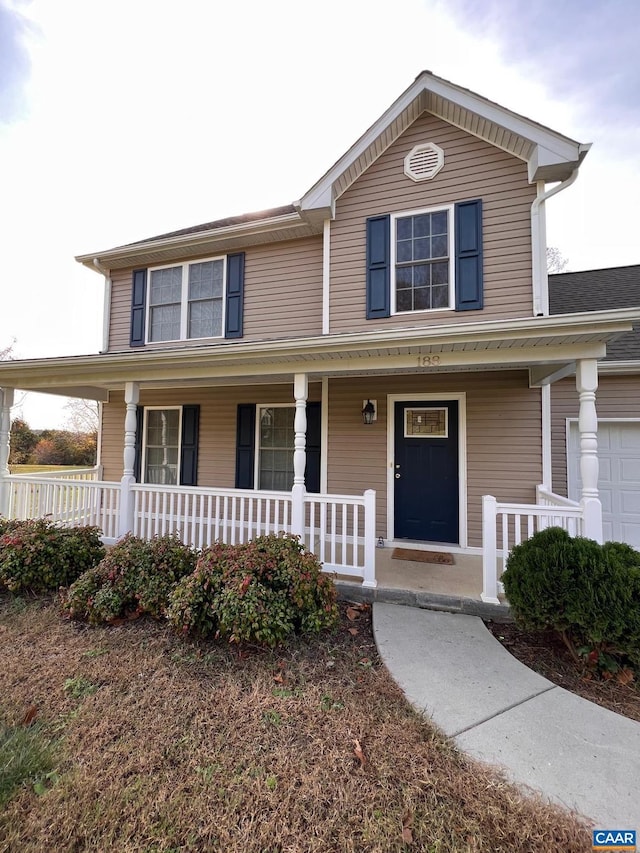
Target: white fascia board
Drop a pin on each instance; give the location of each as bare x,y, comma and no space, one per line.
621,367
183,241
555,147
311,351
321,192
562,146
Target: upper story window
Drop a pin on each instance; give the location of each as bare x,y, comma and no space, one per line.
425,260
186,301
422,268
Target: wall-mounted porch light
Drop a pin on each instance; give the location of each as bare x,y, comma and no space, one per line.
369,412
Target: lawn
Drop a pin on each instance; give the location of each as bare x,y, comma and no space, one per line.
43,469
165,745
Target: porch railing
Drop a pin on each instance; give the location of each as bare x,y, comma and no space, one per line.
72,503
511,524
202,516
339,529
67,474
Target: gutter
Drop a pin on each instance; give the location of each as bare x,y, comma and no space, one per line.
106,311
596,324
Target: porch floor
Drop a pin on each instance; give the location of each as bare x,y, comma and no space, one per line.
463,578
456,588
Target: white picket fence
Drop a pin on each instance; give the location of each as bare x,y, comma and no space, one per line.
339,529
511,524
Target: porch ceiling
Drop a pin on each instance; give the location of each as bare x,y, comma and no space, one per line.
543,342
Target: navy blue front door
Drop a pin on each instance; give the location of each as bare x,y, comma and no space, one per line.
425,468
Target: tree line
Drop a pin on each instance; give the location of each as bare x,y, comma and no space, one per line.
51,446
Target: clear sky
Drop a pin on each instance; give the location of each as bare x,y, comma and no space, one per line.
121,119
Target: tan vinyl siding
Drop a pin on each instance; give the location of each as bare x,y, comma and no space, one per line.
616,397
503,434
473,169
282,297
504,438
120,317
218,411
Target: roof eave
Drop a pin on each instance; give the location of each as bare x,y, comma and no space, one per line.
601,325
240,233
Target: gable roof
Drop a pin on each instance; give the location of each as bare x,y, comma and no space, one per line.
600,290
550,156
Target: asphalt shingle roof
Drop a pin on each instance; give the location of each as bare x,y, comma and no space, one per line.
600,290
221,223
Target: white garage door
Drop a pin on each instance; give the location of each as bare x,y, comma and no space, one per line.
619,482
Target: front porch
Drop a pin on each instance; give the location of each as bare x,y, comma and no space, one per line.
484,396
339,529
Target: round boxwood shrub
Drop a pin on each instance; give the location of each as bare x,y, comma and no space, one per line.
37,555
588,593
260,592
136,576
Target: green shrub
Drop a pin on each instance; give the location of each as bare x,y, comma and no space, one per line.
588,593
136,576
38,555
261,592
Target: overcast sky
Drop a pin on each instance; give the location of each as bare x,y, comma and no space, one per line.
124,119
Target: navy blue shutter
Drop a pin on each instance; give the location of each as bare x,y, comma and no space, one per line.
468,236
378,268
312,469
245,445
235,295
189,449
138,307
137,463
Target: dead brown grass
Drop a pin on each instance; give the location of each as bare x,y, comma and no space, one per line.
201,748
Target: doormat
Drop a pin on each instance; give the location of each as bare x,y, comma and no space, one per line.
440,557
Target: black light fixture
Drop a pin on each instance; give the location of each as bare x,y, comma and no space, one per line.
368,413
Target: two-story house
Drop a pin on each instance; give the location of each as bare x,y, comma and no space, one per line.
371,362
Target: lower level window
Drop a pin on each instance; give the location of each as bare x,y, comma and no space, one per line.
275,447
162,446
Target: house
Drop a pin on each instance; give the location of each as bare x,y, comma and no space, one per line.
372,362
618,402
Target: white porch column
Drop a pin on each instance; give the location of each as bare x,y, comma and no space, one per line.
131,398
301,392
6,401
586,385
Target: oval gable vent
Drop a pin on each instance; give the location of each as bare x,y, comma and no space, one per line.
424,162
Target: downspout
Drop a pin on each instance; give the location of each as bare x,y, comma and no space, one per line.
539,245
106,316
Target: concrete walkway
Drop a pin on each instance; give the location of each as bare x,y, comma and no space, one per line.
497,710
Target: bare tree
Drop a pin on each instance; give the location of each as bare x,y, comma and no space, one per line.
6,353
84,415
556,261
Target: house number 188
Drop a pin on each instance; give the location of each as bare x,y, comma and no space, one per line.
428,360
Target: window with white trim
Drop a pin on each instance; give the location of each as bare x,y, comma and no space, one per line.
161,446
275,446
422,260
186,301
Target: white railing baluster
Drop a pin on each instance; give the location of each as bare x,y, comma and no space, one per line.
202,515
